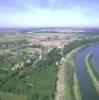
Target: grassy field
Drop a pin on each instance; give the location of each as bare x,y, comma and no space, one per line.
92,72
15,37
11,96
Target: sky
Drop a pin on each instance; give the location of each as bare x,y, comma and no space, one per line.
46,13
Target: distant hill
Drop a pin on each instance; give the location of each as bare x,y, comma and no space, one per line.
86,30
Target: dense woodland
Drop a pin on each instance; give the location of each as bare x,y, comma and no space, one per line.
33,82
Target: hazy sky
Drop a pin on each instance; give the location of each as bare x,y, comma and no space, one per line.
25,13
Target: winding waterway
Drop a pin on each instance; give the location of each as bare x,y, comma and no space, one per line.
88,91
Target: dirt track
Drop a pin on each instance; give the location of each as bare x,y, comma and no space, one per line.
60,90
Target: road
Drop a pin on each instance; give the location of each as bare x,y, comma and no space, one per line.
60,89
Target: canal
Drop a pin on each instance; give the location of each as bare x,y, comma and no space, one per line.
88,91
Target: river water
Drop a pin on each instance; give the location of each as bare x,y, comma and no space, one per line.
88,91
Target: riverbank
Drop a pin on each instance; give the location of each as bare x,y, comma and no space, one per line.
72,89
90,71
68,85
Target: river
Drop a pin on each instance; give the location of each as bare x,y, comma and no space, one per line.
88,91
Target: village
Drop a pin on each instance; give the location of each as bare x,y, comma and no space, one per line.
38,48
56,41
